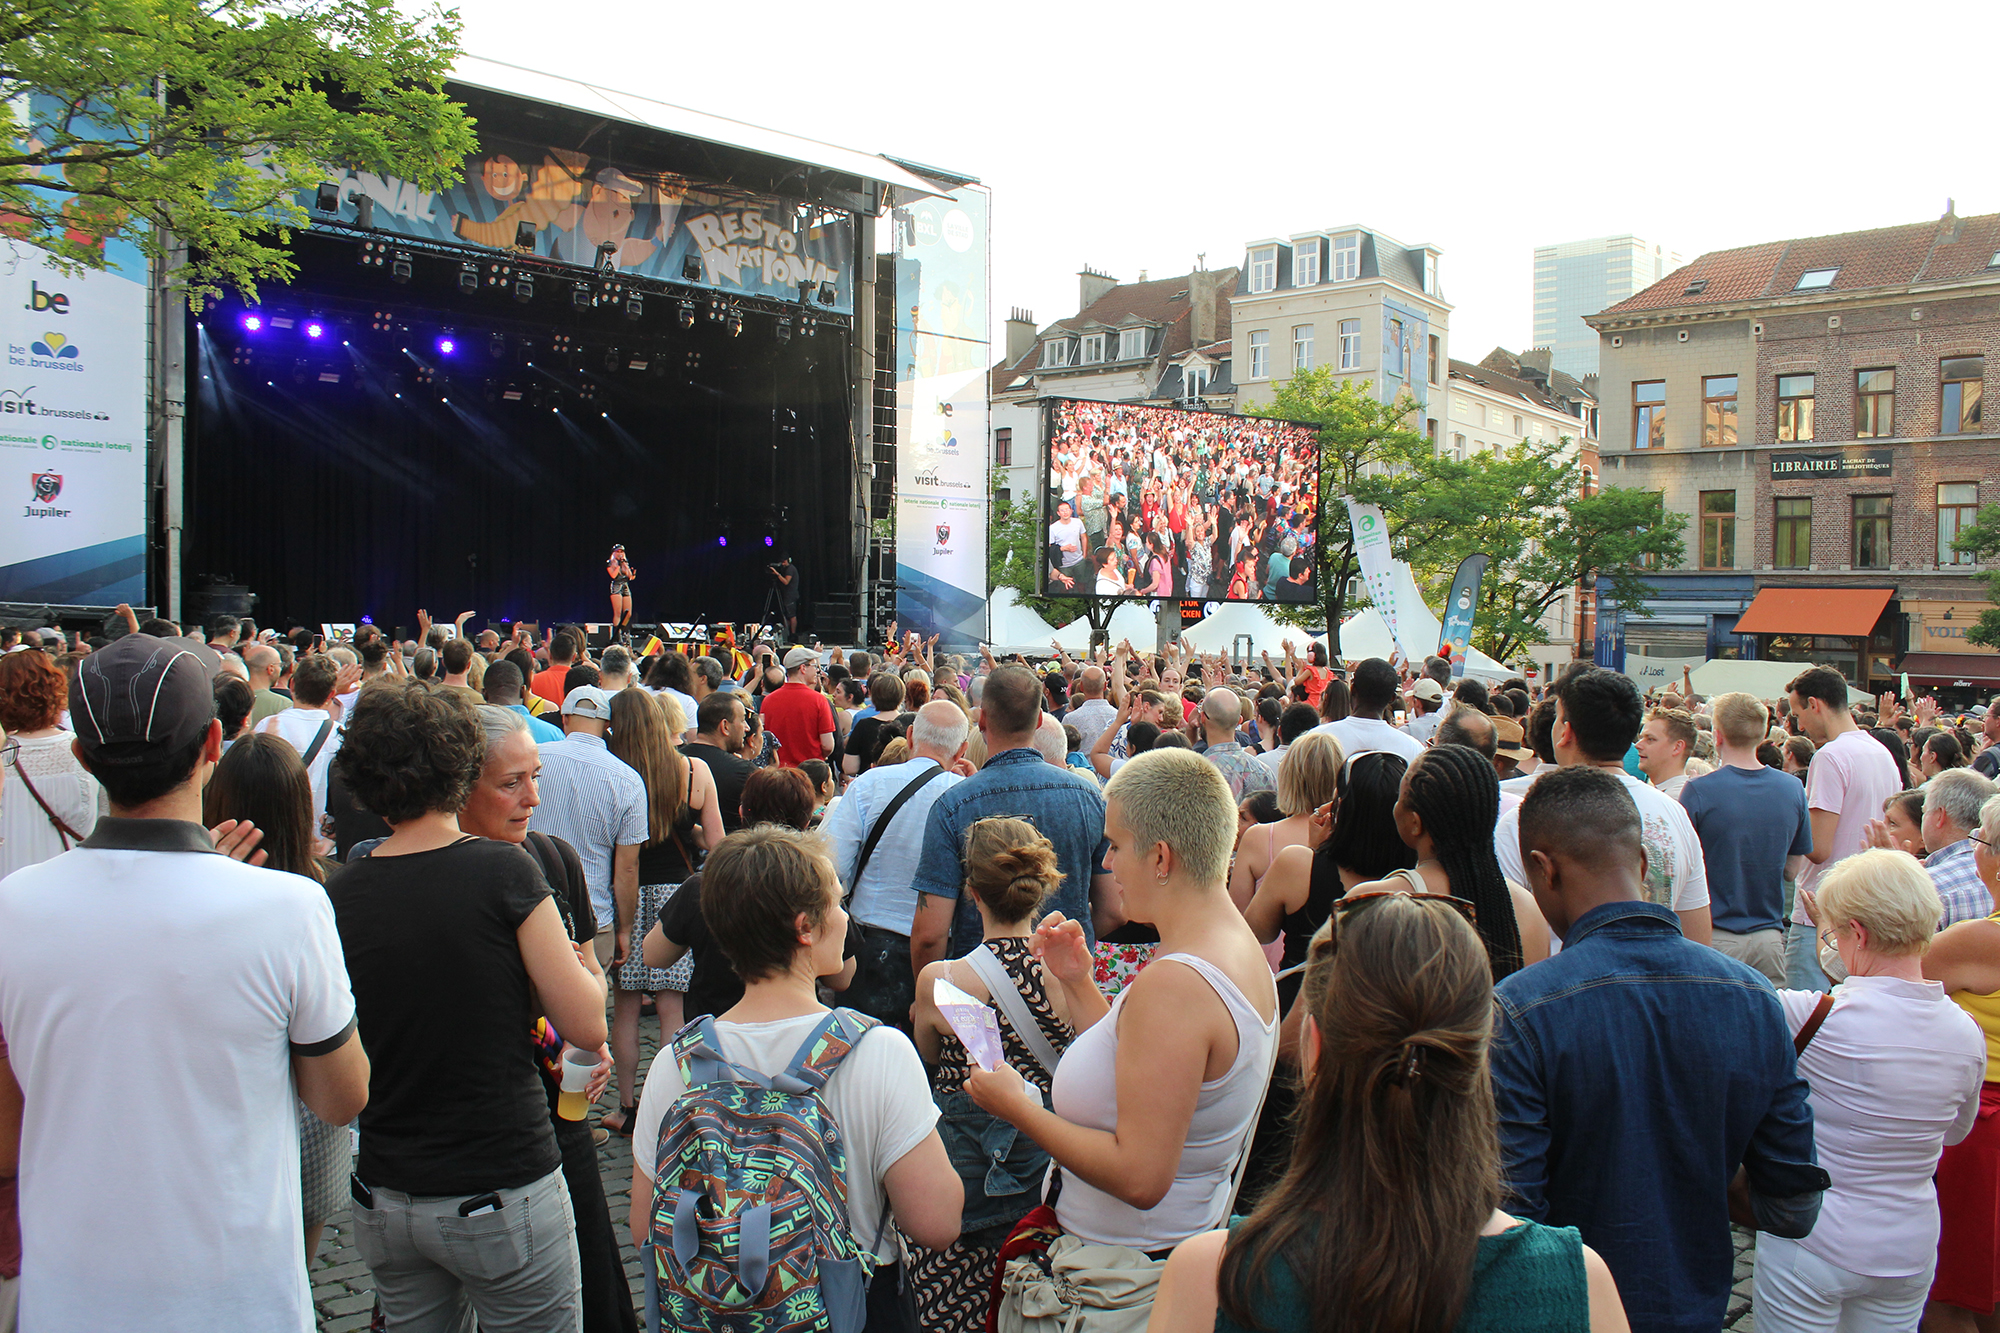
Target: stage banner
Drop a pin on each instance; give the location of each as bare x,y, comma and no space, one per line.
1459,609
72,421
942,352
1371,546
656,222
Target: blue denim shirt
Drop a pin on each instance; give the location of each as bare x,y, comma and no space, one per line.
1066,807
1634,1072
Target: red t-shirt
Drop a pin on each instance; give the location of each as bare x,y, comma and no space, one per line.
549,683
1315,679
798,715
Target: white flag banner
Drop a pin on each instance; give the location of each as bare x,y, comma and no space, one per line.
1371,544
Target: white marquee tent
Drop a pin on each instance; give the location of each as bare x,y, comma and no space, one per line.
1013,628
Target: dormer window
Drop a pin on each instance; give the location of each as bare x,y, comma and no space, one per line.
1430,274
1055,352
1263,270
1347,257
1695,288
1815,280
1091,350
1131,343
1305,262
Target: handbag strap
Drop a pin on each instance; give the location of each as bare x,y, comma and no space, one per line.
882,823
1007,995
68,835
1810,1029
319,741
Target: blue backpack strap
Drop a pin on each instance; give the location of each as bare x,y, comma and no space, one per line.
830,1041
698,1052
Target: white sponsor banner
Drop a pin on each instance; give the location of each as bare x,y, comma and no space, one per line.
72,433
1371,545
1653,673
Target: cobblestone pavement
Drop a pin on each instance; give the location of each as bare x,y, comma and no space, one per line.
344,1294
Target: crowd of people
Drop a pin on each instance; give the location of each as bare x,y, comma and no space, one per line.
1161,502
1131,991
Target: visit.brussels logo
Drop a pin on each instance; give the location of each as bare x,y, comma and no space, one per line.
54,346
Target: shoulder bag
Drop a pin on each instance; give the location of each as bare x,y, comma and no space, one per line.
69,836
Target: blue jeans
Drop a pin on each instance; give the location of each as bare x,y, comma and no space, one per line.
1000,1167
1802,959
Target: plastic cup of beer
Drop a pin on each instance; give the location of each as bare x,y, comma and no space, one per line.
577,1067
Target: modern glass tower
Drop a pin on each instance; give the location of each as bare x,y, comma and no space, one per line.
1578,278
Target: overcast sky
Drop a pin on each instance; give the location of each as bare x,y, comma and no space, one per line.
1134,137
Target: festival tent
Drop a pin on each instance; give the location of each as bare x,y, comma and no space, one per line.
1366,633
1217,633
1013,628
1132,620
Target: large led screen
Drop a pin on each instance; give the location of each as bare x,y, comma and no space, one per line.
1145,501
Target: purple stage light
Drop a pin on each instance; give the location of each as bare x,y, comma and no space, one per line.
722,540
315,329
446,346
253,323
770,541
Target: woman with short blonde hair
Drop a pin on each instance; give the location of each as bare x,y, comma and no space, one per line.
1307,776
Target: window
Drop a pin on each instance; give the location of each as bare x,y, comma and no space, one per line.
1718,529
1302,347
1795,408
1003,447
1874,403
1003,500
1131,343
1431,432
1260,354
1791,532
1815,279
1964,382
1718,411
1055,352
1350,344
1197,381
1091,349
1871,531
1649,414
1305,263
1430,274
1458,447
1395,348
1437,357
1958,509
1520,431
1346,257
1263,269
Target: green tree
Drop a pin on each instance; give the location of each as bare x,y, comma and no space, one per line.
1014,548
1981,541
1367,451
204,119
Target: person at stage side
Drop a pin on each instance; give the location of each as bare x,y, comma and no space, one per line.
786,575
721,731
621,573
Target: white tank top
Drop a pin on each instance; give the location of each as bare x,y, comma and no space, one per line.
1086,1093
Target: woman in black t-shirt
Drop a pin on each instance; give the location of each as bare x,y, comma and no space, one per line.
450,941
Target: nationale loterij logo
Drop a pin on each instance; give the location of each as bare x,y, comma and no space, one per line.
56,346
943,533
48,485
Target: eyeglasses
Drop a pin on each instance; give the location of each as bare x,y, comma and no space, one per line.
1984,842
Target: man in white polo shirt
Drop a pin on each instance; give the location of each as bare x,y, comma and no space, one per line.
596,802
159,1148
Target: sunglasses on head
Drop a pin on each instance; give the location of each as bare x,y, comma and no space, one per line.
1354,902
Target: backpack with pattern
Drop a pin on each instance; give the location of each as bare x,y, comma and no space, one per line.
750,1226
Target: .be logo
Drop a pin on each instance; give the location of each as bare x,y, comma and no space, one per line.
50,302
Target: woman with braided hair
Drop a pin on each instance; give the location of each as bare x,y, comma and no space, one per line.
1446,813
1388,1215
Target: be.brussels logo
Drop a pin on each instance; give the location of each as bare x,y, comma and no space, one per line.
55,347
48,485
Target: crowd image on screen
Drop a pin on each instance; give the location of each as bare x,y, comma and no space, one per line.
1164,502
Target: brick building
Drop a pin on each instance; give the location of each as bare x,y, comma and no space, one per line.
1816,408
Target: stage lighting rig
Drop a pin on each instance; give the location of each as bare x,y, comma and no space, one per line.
607,255
327,200
808,327
612,361
638,360
252,322
559,343
735,323
524,288
373,254
716,311
784,328
496,346
364,212
315,328
687,313
691,267
447,343
401,267
382,322
580,297
499,274
635,306
468,277
827,295
524,236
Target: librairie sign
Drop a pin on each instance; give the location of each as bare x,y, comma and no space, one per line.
1831,463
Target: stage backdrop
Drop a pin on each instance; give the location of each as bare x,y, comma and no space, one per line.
72,425
941,415
743,242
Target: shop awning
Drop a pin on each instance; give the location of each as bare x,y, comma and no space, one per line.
1972,668
1845,611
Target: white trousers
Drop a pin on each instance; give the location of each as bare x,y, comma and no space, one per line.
1796,1291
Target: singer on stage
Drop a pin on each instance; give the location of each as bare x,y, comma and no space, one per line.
620,570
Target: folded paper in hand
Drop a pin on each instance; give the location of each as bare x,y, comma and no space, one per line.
975,1024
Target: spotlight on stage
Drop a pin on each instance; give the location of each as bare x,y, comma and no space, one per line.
735,323
364,212
638,361
373,254
691,267
401,267
524,288
579,296
607,252
784,336
827,295
327,200
716,311
252,323
447,345
687,314
635,306
468,277
524,236
496,346
611,359
315,329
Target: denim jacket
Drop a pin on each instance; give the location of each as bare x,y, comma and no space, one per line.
1634,1071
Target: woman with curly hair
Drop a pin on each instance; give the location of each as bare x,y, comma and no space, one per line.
52,801
455,947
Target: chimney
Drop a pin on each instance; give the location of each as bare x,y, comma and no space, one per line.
1201,307
1092,285
1535,363
1020,334
1590,382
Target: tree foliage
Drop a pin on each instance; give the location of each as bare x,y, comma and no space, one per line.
1981,541
1014,545
205,119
